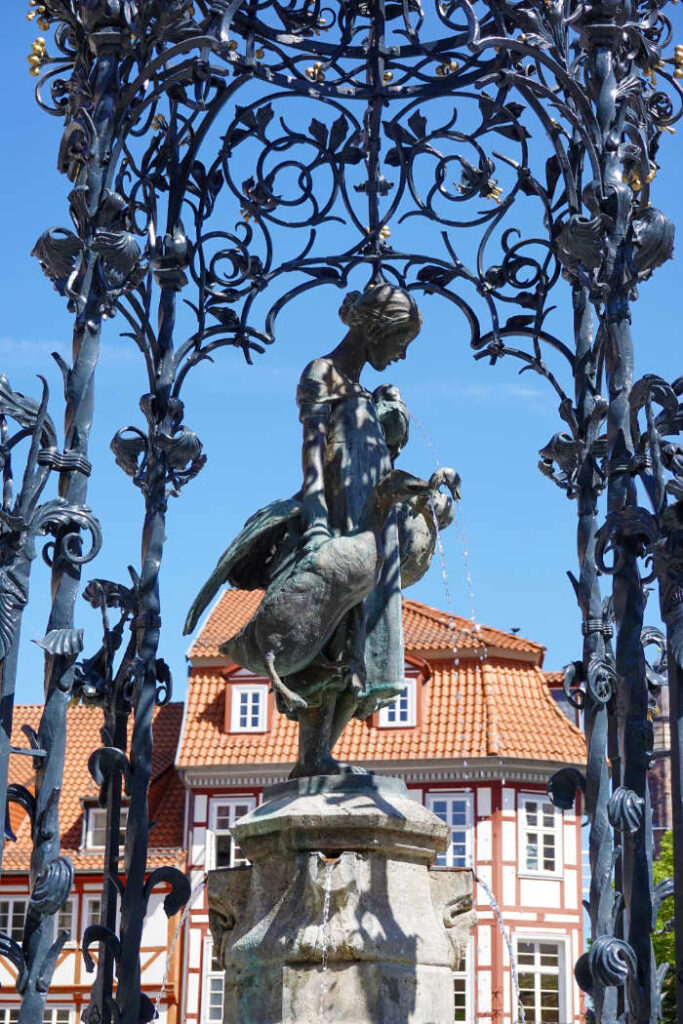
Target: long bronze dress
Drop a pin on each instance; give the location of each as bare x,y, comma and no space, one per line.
357,457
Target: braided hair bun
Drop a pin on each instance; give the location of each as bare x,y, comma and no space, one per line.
348,306
378,307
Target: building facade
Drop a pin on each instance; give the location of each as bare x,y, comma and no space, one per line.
475,734
82,824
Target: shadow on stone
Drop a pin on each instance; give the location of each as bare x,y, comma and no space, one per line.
396,924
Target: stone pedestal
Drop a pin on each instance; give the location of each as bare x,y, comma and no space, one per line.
341,918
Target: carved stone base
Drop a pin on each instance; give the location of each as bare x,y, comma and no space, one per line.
395,925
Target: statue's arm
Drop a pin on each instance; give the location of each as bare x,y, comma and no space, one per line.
314,505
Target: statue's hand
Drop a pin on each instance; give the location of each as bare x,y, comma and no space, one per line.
394,417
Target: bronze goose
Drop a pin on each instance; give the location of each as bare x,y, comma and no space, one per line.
299,614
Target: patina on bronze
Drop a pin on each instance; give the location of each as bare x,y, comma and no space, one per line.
329,630
335,110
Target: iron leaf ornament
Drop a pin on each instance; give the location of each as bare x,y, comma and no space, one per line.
212,146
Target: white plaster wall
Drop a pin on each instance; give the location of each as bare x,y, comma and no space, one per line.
195,950
484,801
198,854
509,851
483,992
192,1002
509,897
65,972
7,977
484,945
484,841
540,892
570,844
155,936
571,892
485,873
200,807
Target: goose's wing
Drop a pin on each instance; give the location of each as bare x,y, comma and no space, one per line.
247,562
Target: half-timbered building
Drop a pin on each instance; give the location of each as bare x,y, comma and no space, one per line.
82,823
475,733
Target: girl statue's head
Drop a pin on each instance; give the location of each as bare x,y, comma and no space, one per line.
385,318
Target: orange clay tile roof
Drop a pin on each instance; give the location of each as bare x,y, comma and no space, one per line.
554,678
166,798
493,707
425,628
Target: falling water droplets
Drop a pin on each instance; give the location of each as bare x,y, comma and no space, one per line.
183,917
471,633
325,940
521,1019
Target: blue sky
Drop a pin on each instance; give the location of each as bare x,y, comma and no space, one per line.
486,421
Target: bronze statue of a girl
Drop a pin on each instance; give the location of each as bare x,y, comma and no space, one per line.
354,659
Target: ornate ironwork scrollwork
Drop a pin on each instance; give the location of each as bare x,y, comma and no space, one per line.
338,127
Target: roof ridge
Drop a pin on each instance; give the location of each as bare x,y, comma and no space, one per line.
477,627
434,613
485,671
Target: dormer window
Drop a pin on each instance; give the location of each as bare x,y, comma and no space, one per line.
249,703
401,712
96,827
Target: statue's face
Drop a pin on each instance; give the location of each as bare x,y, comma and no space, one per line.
391,345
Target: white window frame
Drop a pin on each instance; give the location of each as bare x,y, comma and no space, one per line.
6,1011
91,811
207,977
88,900
53,1010
564,970
71,941
11,900
215,805
236,692
468,976
468,799
389,715
541,830
96,897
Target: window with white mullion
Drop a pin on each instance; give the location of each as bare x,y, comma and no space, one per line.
93,909
456,810
461,989
213,987
96,832
223,815
9,1015
539,967
65,920
401,711
12,917
539,835
57,1015
248,709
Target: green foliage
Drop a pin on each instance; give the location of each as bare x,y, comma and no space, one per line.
663,944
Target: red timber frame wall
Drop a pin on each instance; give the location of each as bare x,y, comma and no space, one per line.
535,906
72,983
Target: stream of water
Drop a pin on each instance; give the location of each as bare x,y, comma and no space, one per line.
325,940
183,917
521,1019
471,633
